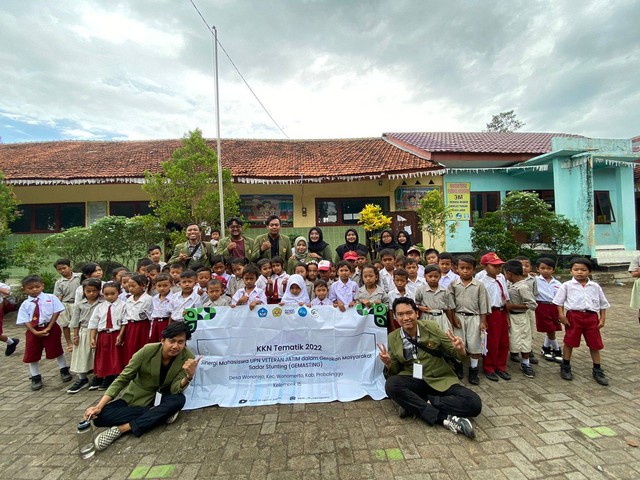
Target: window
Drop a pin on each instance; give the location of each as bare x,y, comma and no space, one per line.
49,218
483,202
345,211
129,209
602,209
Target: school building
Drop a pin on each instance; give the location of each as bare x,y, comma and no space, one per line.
326,183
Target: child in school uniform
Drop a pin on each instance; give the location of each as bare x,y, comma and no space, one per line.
371,292
124,285
414,252
215,295
388,259
400,279
107,335
434,302
82,356
250,294
521,301
219,267
414,281
187,298
204,277
532,283
582,309
445,262
161,307
472,306
65,289
235,282
175,270
279,277
296,292
12,343
303,270
547,317
431,256
39,313
153,270
343,292
324,272
137,317
320,294
90,270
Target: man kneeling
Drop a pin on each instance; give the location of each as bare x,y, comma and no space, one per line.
167,368
420,380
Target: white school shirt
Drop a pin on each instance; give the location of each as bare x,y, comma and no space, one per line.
280,278
573,296
99,318
256,294
4,285
420,271
345,292
316,302
386,279
179,304
412,287
496,298
161,308
448,278
546,290
48,304
393,294
261,283
137,310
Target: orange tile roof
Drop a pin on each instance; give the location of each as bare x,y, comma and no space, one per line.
252,161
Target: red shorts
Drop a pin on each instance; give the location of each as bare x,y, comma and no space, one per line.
583,324
157,326
1,316
547,318
51,344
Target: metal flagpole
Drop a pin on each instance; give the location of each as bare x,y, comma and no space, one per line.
220,189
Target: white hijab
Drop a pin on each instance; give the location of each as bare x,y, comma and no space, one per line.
302,297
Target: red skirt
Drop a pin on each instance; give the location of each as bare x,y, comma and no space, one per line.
136,336
108,359
51,344
158,325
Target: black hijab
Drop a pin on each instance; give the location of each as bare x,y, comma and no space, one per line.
319,246
391,245
404,246
350,246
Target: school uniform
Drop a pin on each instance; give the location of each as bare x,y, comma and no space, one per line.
386,280
439,301
137,319
222,301
79,295
160,315
497,324
345,292
107,319
179,304
519,321
279,286
547,313
256,294
582,305
82,358
447,278
532,283
175,289
412,286
38,312
65,290
309,286
471,302
377,296
325,301
234,284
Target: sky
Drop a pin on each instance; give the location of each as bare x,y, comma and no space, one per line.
143,69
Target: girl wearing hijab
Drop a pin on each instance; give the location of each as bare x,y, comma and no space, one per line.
403,239
387,242
296,292
351,243
318,248
300,254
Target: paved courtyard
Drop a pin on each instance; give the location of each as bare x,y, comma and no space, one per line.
529,428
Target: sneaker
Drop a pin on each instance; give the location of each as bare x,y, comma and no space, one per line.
12,348
78,385
174,417
402,413
557,356
565,372
106,438
474,379
503,375
106,383
515,357
459,425
600,377
533,360
95,383
491,376
458,368
36,382
546,354
527,370
65,375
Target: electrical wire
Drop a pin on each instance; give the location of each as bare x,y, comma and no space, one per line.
238,70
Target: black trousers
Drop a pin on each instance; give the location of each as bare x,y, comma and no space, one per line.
412,394
141,419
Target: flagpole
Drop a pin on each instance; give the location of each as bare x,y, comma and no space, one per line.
220,189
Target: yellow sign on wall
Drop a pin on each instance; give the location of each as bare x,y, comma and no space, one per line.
459,201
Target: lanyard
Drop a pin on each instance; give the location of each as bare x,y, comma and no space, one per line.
415,348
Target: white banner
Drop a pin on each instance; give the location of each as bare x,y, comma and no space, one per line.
285,354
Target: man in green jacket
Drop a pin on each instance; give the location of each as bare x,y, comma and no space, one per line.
236,245
194,253
271,244
166,368
420,380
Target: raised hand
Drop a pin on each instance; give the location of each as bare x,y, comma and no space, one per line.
457,342
384,354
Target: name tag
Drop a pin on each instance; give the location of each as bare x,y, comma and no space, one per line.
417,371
157,400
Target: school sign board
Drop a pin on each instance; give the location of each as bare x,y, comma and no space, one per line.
285,354
459,201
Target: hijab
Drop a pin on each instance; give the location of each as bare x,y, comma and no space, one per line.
289,297
319,246
404,246
300,256
350,246
391,245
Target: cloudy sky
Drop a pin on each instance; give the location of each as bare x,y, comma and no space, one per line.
142,69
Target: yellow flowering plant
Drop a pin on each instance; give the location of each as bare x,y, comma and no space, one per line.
374,221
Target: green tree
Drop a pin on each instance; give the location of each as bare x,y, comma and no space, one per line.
504,122
187,188
434,217
490,234
8,213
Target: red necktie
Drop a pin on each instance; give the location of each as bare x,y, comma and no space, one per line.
36,314
504,296
275,289
109,320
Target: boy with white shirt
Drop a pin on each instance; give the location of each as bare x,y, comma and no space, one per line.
188,298
388,259
414,281
445,262
547,320
249,294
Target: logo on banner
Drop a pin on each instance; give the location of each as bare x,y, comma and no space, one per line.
262,313
193,315
302,312
378,310
276,312
314,312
